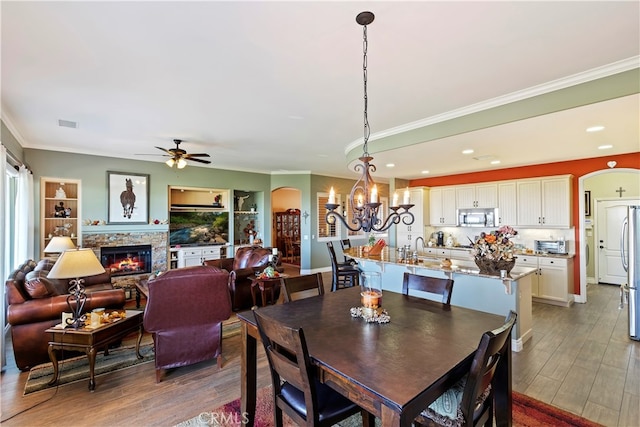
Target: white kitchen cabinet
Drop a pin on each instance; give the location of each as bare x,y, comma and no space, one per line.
507,203
556,202
553,281
442,206
477,196
188,257
544,202
407,234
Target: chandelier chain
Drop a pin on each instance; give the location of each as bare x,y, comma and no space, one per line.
367,130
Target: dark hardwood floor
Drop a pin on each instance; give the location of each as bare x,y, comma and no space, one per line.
580,359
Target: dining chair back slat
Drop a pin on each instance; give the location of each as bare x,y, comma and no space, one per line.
433,285
295,286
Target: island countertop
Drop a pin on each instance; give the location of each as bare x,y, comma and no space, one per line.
483,292
389,255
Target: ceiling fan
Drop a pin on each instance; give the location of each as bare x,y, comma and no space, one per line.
179,157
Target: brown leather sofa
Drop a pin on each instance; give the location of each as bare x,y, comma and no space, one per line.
184,312
36,303
247,261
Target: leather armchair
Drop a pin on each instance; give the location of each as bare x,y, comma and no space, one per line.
184,312
36,303
247,261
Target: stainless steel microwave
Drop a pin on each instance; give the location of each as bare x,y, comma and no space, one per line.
477,217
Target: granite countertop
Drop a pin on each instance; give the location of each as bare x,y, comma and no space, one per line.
389,256
519,252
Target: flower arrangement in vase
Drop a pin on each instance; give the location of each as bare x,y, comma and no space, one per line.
494,251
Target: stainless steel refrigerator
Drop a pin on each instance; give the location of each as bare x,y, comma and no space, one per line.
630,251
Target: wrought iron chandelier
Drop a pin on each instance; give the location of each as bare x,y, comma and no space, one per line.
364,202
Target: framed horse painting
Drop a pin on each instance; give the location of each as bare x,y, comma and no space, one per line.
128,198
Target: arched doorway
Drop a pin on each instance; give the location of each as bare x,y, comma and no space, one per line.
285,203
631,179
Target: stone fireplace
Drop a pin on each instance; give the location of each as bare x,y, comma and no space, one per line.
155,241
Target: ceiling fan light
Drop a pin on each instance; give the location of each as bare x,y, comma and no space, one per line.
170,163
182,163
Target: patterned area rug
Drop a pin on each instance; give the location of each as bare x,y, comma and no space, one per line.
77,368
527,412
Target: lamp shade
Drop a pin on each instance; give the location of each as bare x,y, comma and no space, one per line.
59,244
76,263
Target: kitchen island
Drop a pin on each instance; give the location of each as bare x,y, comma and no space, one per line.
471,289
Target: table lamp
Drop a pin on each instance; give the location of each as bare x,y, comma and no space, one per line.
75,264
59,244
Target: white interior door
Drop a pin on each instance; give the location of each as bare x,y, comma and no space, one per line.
610,215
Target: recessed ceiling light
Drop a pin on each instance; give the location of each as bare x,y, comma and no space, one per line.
595,128
424,172
605,147
467,151
495,162
391,165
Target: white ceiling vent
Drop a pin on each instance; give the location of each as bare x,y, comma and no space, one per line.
67,124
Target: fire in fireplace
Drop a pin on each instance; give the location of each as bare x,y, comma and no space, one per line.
126,260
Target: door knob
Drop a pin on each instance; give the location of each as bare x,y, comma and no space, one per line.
601,247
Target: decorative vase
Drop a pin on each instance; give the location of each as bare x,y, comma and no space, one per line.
493,267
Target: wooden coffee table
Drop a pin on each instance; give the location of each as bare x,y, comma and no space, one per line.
91,340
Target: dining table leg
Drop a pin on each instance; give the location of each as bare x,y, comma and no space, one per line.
248,374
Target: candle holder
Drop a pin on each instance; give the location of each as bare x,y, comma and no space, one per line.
371,293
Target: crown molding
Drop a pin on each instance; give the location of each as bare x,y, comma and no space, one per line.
542,89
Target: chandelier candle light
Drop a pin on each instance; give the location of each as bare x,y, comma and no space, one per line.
364,199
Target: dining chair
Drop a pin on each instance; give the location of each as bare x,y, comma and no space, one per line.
296,389
342,275
298,284
470,401
346,244
292,251
432,285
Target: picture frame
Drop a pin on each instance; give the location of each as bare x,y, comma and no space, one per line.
127,204
587,203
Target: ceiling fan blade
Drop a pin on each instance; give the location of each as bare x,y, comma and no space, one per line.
197,155
198,160
165,150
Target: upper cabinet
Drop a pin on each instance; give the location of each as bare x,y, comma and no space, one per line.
544,202
59,210
477,196
419,198
507,203
443,206
540,202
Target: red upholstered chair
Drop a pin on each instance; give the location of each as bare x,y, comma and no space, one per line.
184,312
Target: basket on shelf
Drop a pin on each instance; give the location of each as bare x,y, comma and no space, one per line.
493,267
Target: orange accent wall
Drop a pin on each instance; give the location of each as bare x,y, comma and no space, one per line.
577,168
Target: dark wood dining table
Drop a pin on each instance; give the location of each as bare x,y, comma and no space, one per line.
393,370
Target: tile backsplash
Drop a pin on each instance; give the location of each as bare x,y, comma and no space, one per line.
524,238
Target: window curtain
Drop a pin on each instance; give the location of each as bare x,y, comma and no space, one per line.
24,216
5,268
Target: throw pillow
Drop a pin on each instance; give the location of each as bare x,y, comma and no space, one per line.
36,279
35,287
45,264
